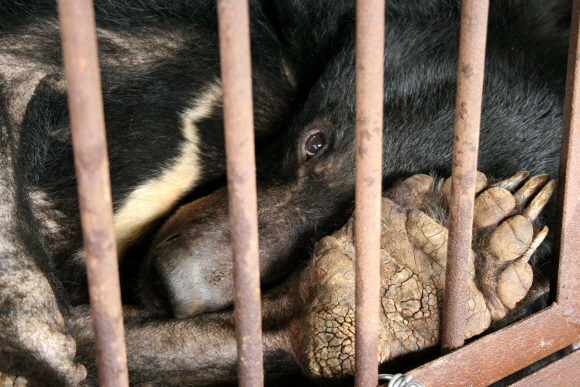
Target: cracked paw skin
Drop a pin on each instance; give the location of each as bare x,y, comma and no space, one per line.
413,257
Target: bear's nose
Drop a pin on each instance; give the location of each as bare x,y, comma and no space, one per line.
188,281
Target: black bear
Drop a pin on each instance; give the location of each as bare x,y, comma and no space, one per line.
164,128
309,189
162,97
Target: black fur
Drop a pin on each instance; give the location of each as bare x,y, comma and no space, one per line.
157,60
301,198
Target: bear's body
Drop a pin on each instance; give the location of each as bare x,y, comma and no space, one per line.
162,97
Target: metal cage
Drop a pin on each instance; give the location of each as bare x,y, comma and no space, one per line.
480,363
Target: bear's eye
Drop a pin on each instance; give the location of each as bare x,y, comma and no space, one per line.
314,143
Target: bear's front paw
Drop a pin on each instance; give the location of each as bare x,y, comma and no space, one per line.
413,259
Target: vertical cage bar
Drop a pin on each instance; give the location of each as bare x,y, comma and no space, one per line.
234,35
370,32
568,289
92,171
467,119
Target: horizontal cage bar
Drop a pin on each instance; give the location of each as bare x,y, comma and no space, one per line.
555,327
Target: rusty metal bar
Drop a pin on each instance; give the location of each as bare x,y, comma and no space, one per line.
370,33
555,327
234,35
81,66
564,372
568,288
489,359
467,119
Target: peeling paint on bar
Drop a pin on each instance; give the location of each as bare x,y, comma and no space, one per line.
92,170
370,32
467,119
234,37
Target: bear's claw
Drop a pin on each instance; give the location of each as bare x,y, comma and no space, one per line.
413,258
